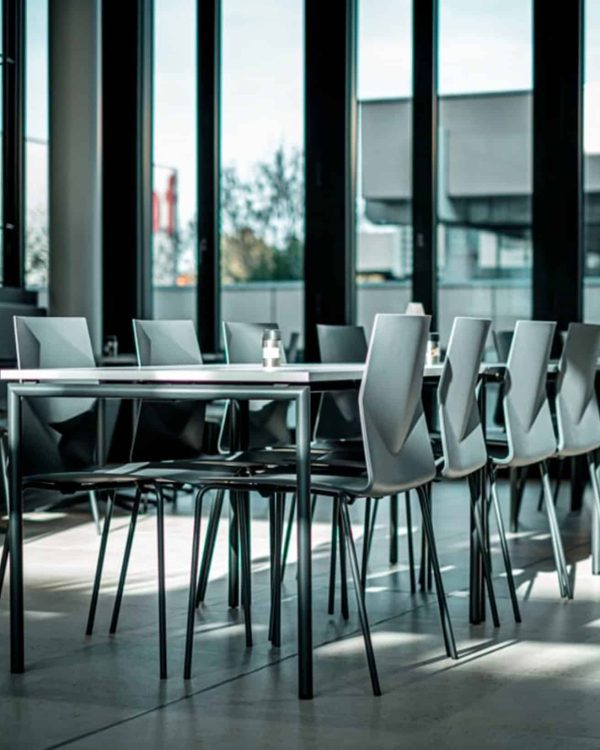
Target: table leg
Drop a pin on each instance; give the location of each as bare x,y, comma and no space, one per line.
305,664
15,530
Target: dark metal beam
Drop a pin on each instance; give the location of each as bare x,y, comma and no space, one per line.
557,161
127,40
330,165
13,142
424,156
208,165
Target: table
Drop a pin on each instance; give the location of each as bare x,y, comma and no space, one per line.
203,382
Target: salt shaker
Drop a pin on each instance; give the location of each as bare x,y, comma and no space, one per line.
271,348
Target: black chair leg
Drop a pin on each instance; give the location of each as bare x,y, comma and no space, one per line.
333,560
557,545
189,637
4,560
411,549
343,574
504,547
125,564
372,527
275,619
243,500
162,594
288,535
477,508
365,547
393,529
209,546
439,584
100,564
360,600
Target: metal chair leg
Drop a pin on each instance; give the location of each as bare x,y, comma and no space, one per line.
100,564
409,538
189,636
343,574
246,567
209,546
94,511
234,552
276,551
365,546
125,564
162,595
504,546
288,535
595,514
332,564
557,545
360,601
439,584
4,561
393,529
372,527
478,506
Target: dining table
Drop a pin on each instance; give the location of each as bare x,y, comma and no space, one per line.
242,383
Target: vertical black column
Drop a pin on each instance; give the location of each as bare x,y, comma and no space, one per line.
330,154
424,155
127,36
557,161
208,149
13,143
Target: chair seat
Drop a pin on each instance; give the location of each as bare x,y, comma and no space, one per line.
325,484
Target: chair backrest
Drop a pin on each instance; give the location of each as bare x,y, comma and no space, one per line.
58,433
463,439
267,419
166,342
397,445
338,417
174,429
577,413
527,416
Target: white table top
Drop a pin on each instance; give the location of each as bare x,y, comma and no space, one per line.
301,374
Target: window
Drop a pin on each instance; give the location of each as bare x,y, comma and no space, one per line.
174,175
484,160
36,144
384,232
591,165
262,173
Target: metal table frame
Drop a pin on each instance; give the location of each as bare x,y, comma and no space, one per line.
300,395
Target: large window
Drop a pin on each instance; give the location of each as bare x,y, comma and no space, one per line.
591,148
484,160
174,176
262,177
36,144
384,235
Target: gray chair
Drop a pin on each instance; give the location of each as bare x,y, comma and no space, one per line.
58,434
61,436
462,439
398,457
530,437
577,413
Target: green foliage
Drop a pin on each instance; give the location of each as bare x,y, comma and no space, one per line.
262,221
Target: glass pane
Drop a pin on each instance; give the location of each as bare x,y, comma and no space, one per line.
384,233
36,145
484,160
262,181
174,190
591,168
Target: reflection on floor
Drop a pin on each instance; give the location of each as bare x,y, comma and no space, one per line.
530,686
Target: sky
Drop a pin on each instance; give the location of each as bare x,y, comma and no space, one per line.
484,45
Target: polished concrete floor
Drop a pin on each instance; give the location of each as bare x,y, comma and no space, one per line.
534,685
